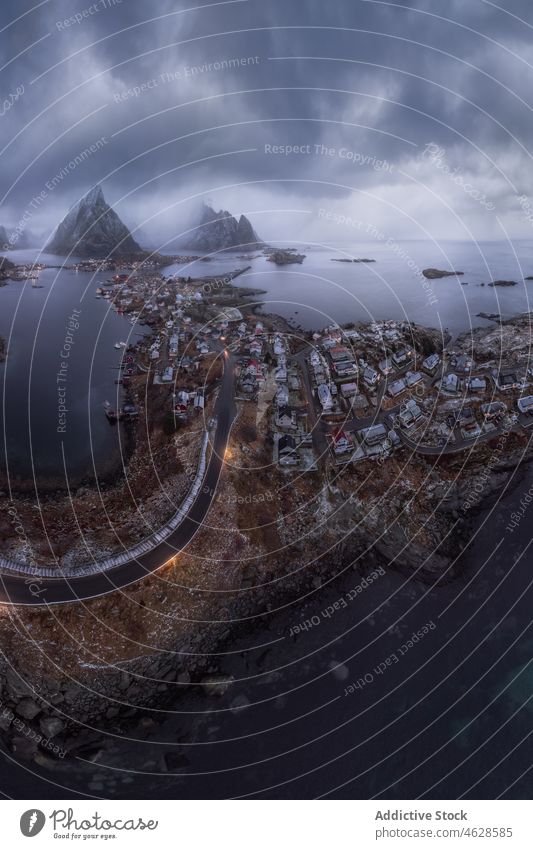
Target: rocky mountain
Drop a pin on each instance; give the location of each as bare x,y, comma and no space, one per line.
218,231
92,228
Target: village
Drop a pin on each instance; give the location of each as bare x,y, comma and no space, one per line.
349,395
318,401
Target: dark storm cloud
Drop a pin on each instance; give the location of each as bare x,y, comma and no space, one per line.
180,103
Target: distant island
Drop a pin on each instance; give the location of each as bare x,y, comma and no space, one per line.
285,257
345,259
436,273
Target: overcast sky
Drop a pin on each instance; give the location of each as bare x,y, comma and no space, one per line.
424,109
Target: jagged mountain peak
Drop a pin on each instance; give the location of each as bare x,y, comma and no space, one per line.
217,231
92,228
94,197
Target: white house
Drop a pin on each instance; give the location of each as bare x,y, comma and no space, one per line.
324,396
525,405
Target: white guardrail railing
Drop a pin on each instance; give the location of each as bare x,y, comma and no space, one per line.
148,544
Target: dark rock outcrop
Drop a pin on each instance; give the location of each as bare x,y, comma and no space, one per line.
219,231
92,229
436,273
490,316
363,259
285,257
503,283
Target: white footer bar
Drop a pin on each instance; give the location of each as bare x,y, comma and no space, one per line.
270,823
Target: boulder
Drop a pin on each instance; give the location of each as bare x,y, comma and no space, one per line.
51,726
27,709
23,747
17,686
216,685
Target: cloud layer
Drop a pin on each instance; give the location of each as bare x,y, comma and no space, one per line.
414,116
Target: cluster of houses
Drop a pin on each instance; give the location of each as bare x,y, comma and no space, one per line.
253,365
148,297
411,406
185,402
269,374
375,441
346,365
293,447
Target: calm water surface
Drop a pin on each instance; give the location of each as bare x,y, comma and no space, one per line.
35,324
319,292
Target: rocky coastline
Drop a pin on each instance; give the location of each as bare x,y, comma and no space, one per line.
98,688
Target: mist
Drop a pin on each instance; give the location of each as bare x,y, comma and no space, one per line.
392,115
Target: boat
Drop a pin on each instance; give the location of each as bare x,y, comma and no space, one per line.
111,414
118,346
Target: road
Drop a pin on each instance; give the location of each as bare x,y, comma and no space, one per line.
45,591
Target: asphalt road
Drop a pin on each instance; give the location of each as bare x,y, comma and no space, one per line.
44,591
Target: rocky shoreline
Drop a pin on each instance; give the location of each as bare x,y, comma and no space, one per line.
68,710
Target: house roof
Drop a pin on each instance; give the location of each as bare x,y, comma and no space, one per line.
285,411
374,431
286,441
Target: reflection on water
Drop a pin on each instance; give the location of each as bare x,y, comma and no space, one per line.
61,366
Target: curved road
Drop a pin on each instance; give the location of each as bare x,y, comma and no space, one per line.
43,591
